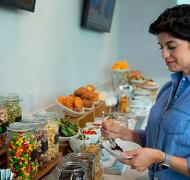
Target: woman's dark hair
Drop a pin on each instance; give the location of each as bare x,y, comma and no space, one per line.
175,21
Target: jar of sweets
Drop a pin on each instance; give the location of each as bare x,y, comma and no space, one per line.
42,138
52,131
22,150
13,108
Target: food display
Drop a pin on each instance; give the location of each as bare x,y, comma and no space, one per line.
120,65
96,150
52,131
83,98
134,76
13,108
67,129
22,150
40,132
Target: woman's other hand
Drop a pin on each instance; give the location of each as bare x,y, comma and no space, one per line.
143,158
114,129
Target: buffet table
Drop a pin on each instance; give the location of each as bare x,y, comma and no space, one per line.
130,174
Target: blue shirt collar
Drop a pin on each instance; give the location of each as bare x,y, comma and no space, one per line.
177,76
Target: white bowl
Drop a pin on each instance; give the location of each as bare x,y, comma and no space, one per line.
68,111
64,138
93,137
76,144
94,124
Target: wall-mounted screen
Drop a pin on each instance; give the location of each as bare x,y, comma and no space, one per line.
97,14
28,5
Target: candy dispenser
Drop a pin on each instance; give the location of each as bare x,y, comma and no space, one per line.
22,150
42,138
52,130
13,107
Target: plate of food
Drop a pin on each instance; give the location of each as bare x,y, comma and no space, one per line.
69,111
121,147
150,85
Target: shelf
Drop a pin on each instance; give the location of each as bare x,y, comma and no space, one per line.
3,151
90,116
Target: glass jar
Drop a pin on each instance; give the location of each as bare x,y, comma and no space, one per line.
88,158
3,121
73,170
22,150
42,138
94,149
13,107
52,130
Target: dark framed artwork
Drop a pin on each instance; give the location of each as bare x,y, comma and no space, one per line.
28,5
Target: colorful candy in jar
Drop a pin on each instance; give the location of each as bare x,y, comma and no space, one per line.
42,138
22,150
52,130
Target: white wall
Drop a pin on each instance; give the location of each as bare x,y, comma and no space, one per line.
46,54
137,45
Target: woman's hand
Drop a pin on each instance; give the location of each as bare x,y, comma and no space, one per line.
115,130
143,158
112,129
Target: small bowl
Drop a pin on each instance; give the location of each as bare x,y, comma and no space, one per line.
76,143
64,138
92,137
94,124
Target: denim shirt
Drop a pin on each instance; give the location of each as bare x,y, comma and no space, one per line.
168,127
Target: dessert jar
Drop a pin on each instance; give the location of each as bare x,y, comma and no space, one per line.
52,131
22,150
40,132
13,108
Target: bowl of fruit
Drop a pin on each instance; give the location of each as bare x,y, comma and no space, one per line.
92,133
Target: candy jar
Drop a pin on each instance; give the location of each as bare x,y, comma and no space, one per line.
73,170
3,121
42,138
22,150
52,130
13,107
88,158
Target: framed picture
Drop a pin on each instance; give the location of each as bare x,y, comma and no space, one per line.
28,5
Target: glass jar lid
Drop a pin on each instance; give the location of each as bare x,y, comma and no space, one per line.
20,127
12,97
34,120
46,115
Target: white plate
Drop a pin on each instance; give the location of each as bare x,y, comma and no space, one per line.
68,111
150,87
89,109
96,102
142,92
125,145
133,81
63,138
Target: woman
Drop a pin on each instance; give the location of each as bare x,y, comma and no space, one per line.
166,139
